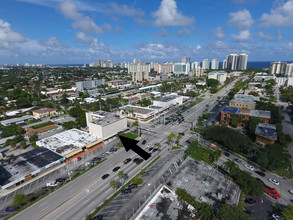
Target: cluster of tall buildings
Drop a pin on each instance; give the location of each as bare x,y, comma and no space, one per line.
281,68
236,62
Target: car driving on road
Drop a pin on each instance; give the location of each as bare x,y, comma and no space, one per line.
274,181
249,167
126,161
105,176
116,168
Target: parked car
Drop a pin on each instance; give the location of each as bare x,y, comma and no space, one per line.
276,217
259,180
139,161
227,154
135,159
51,184
150,149
291,191
60,180
132,186
249,167
237,160
126,161
126,191
97,159
116,168
105,176
98,217
260,173
274,181
155,149
78,158
143,142
10,209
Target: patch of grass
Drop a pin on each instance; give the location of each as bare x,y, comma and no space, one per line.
288,174
42,125
120,144
131,135
138,181
175,148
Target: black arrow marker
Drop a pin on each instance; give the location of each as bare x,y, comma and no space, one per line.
131,144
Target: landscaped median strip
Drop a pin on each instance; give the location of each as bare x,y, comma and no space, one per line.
49,192
108,201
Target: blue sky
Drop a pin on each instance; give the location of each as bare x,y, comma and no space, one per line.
84,31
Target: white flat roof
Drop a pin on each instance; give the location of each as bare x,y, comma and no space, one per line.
67,141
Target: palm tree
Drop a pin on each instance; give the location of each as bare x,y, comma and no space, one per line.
121,175
113,184
178,138
230,165
171,136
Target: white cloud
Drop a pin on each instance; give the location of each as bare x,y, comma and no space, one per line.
69,9
243,35
8,35
218,33
198,47
168,15
126,10
268,37
83,38
52,42
241,19
280,16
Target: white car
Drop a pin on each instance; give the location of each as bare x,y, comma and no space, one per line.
276,217
249,167
149,145
51,183
274,181
291,191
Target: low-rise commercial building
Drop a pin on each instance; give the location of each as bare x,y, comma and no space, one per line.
16,120
168,100
71,143
105,124
265,133
244,115
221,76
44,112
262,77
247,97
137,112
81,86
239,103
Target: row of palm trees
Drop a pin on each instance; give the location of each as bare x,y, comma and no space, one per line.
171,137
114,183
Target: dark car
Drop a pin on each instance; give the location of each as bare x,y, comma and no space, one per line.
126,161
10,209
227,154
237,160
97,159
61,180
155,149
113,149
260,173
249,201
105,176
143,142
150,149
126,191
135,159
182,133
132,186
188,141
116,168
259,180
98,217
139,161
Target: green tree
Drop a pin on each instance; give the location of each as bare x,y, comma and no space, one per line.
121,175
171,136
18,199
69,125
134,124
34,138
212,83
23,144
113,184
230,165
288,212
178,138
64,100
231,213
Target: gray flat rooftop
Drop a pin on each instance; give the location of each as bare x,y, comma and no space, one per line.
243,101
27,163
16,120
199,178
137,109
247,97
167,98
107,118
265,130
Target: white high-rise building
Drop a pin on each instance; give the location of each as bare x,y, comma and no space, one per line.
164,68
242,62
133,68
195,65
232,61
277,68
289,69
215,64
224,66
205,64
181,68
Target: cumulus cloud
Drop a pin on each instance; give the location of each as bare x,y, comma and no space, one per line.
268,37
241,19
83,38
243,35
52,42
8,35
69,9
126,10
218,33
168,15
280,16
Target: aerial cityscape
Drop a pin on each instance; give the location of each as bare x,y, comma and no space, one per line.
160,110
